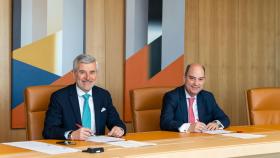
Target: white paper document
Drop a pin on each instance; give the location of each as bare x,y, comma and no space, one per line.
104,139
42,147
219,131
131,144
244,135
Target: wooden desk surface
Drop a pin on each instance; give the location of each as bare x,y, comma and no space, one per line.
173,144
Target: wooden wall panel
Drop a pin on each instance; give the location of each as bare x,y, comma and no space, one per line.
277,43
5,46
95,36
238,42
115,25
256,51
6,133
218,49
105,41
191,31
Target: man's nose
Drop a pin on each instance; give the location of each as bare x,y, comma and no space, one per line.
196,82
87,76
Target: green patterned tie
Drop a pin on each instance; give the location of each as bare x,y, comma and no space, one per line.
86,119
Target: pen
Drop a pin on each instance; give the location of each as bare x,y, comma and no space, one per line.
80,126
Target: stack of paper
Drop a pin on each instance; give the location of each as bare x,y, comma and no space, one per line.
244,135
104,139
131,144
219,131
42,147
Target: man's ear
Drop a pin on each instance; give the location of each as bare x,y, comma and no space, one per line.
73,73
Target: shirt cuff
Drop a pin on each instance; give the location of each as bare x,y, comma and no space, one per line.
184,127
66,134
220,125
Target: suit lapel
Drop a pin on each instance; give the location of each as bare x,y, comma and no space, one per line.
183,104
75,104
200,108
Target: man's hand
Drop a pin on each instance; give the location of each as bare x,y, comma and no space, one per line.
212,126
116,132
197,127
81,134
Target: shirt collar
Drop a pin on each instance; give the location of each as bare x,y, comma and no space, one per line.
81,92
188,95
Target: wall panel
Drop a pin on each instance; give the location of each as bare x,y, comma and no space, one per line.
114,20
6,134
256,51
105,41
238,43
95,36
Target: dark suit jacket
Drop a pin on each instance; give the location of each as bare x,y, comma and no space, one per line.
175,112
64,112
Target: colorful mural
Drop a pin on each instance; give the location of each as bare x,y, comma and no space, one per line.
46,38
154,45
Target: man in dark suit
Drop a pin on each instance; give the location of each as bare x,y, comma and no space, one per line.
189,108
82,109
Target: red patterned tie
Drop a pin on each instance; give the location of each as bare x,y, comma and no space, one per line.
190,110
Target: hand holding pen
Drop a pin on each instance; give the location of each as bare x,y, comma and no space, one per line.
197,126
81,133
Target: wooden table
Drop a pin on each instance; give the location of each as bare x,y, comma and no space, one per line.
173,144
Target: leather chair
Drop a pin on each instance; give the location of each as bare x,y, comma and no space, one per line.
37,100
146,107
263,106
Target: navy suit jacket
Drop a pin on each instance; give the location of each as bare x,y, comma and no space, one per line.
174,110
64,112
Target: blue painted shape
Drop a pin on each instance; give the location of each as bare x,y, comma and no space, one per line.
25,75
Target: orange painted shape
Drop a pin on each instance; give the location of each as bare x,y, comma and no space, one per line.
65,79
136,76
172,75
19,113
18,116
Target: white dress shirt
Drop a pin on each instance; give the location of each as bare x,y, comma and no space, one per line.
185,126
80,94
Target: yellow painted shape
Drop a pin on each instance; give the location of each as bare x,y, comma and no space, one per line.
44,54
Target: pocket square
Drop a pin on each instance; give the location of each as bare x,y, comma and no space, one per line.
103,109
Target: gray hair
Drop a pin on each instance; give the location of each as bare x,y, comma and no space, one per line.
83,58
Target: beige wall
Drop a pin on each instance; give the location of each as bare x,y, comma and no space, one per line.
6,134
237,40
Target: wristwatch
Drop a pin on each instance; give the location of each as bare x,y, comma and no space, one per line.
219,124
69,135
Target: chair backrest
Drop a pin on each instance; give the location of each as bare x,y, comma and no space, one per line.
37,100
263,106
146,107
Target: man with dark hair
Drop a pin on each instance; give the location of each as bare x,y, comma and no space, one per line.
189,108
82,109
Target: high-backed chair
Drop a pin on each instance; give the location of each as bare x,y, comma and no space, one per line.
37,101
263,106
146,107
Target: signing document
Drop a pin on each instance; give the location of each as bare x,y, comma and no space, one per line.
104,139
42,147
131,144
244,135
218,131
